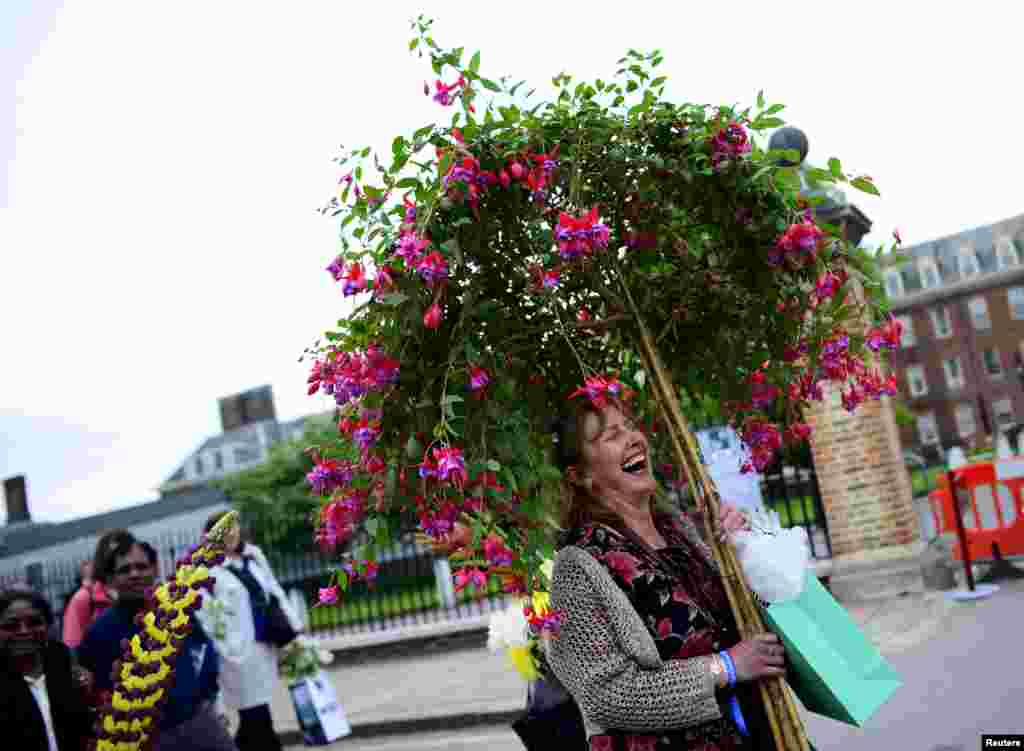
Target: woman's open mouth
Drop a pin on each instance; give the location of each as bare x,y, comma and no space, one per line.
635,464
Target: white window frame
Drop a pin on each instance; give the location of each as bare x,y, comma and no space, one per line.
978,309
967,263
941,314
915,373
996,375
1006,253
894,283
1004,409
929,271
927,429
954,382
966,419
1016,305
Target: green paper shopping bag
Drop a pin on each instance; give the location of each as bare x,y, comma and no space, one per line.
834,669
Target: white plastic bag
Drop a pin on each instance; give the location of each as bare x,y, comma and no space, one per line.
774,559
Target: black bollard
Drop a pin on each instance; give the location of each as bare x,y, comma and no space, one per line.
1001,569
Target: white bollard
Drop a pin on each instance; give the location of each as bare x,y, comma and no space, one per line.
445,588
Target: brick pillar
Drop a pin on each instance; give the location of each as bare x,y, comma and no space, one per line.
865,487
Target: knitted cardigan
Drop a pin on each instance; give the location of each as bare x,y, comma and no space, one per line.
608,661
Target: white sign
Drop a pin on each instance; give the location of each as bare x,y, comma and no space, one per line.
320,714
724,456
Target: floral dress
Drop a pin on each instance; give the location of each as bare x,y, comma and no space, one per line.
680,597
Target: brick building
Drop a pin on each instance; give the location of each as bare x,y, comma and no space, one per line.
961,301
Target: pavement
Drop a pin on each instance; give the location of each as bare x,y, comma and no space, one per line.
450,692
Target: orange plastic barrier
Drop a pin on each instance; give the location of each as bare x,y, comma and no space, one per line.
994,512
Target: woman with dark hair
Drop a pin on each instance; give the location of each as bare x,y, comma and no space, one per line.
42,694
248,617
648,648
94,597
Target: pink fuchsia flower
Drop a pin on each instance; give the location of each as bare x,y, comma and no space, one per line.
410,249
433,317
410,211
763,439
546,162
799,244
513,584
544,623
354,280
601,389
886,336
374,465
328,595
443,94
516,170
451,466
896,236
798,432
385,279
433,268
366,432
827,286
478,379
496,552
728,144
467,576
580,236
328,475
504,178
762,393
336,269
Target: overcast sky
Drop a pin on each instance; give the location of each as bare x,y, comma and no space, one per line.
162,163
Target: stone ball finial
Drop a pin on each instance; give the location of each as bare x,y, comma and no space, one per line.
790,138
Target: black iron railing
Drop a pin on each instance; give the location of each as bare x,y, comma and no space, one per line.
794,494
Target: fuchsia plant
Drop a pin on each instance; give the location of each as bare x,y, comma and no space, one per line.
509,278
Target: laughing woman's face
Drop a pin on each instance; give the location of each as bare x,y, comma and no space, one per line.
22,629
616,457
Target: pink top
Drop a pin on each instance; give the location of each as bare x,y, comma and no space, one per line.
87,604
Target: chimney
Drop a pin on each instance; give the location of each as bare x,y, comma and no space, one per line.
16,495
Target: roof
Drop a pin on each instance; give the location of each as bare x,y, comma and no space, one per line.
945,252
26,538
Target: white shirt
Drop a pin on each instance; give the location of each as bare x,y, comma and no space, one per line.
38,688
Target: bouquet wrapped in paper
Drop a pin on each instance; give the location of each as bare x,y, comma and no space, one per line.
774,559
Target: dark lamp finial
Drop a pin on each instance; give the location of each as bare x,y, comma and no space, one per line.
790,138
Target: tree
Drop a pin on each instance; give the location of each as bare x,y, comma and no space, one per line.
273,498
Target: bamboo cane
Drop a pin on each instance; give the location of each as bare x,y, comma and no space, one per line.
787,726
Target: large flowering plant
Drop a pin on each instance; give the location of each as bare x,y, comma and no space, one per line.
509,259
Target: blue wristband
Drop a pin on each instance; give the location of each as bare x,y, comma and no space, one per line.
730,666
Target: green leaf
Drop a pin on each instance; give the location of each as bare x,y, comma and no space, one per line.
632,86
489,85
452,399
408,182
493,465
865,185
760,99
394,299
474,63
659,81
775,108
835,168
413,44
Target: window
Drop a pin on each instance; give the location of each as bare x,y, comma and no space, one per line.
941,323
246,455
979,313
928,429
907,339
218,460
965,423
1003,411
1006,254
954,375
1015,296
893,283
929,273
199,466
993,363
916,383
967,262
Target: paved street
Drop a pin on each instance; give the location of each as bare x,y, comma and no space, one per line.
960,682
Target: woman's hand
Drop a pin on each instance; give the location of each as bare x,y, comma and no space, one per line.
732,521
760,657
83,679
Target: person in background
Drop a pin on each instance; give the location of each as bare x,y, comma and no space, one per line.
189,720
93,598
237,617
42,694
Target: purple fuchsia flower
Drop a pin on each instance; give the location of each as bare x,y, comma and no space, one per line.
451,465
478,378
365,433
336,269
763,439
354,280
433,268
328,595
827,286
470,576
728,144
496,552
328,475
433,317
410,249
800,242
